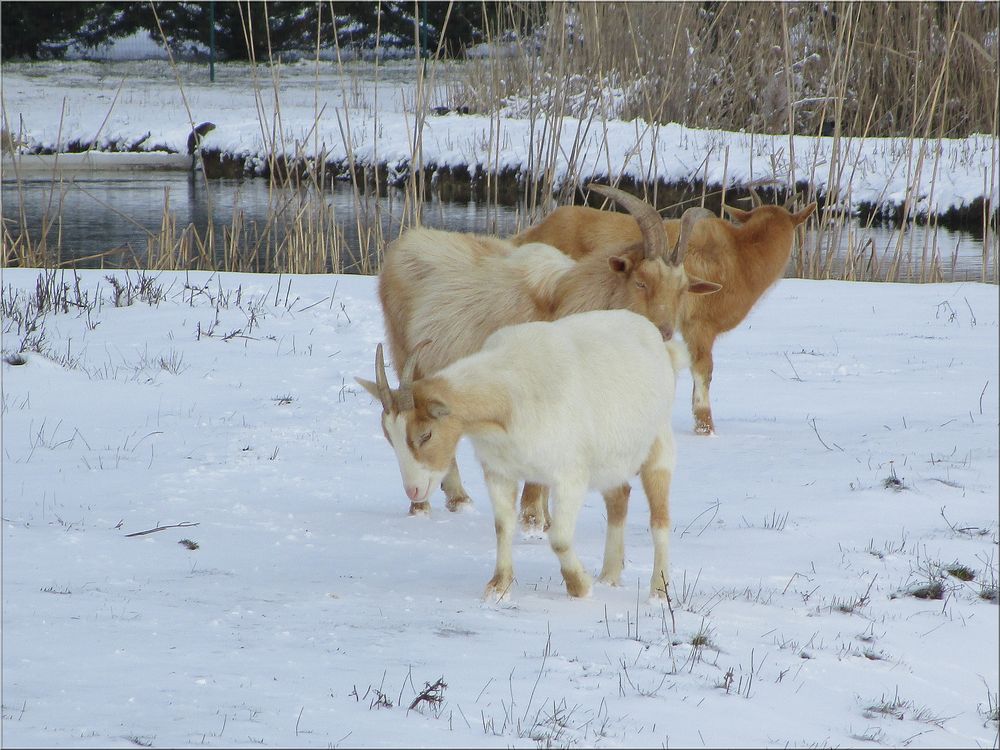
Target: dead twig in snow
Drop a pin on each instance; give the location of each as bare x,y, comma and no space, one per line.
432,693
181,525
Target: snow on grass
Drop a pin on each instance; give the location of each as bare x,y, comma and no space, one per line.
368,114
298,605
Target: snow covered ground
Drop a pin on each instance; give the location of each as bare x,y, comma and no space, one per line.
298,605
357,110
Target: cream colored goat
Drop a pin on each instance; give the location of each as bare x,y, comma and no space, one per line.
456,289
575,404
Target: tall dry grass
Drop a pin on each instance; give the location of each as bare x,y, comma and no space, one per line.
863,68
920,72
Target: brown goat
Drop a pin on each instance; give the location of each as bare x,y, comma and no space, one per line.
746,258
456,289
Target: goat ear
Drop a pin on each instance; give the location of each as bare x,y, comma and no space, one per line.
803,214
620,263
437,409
700,286
369,386
737,214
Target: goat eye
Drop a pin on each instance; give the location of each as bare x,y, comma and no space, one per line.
424,438
640,285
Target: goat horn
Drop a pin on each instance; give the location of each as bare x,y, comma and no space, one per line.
688,219
405,392
755,199
790,200
654,237
381,384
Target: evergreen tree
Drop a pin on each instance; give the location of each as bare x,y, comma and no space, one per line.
245,30
39,31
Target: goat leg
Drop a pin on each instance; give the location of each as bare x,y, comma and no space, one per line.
616,501
535,508
456,497
503,495
656,474
567,502
701,374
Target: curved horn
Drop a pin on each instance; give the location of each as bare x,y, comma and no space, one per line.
688,219
654,237
755,199
381,383
405,392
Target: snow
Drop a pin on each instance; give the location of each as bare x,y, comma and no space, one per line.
314,611
355,110
139,45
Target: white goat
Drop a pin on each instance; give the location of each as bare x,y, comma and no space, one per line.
579,403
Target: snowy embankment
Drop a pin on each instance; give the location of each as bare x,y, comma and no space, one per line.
345,114
856,459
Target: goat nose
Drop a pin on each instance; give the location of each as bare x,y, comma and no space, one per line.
412,491
667,332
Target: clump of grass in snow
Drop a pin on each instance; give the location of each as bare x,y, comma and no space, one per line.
961,572
937,581
850,605
991,712
127,290
888,548
932,590
969,530
172,363
871,734
872,655
893,482
703,638
988,590
900,709
742,685
776,521
25,314
378,699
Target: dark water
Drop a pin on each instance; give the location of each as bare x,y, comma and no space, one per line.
97,211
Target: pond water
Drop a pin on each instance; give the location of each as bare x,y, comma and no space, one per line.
96,211
91,212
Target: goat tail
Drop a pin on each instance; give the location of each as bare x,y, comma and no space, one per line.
679,357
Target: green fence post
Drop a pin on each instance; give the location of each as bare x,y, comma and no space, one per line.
211,41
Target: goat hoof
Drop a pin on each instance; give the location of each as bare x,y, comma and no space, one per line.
458,503
498,589
610,579
532,525
420,509
578,585
704,428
